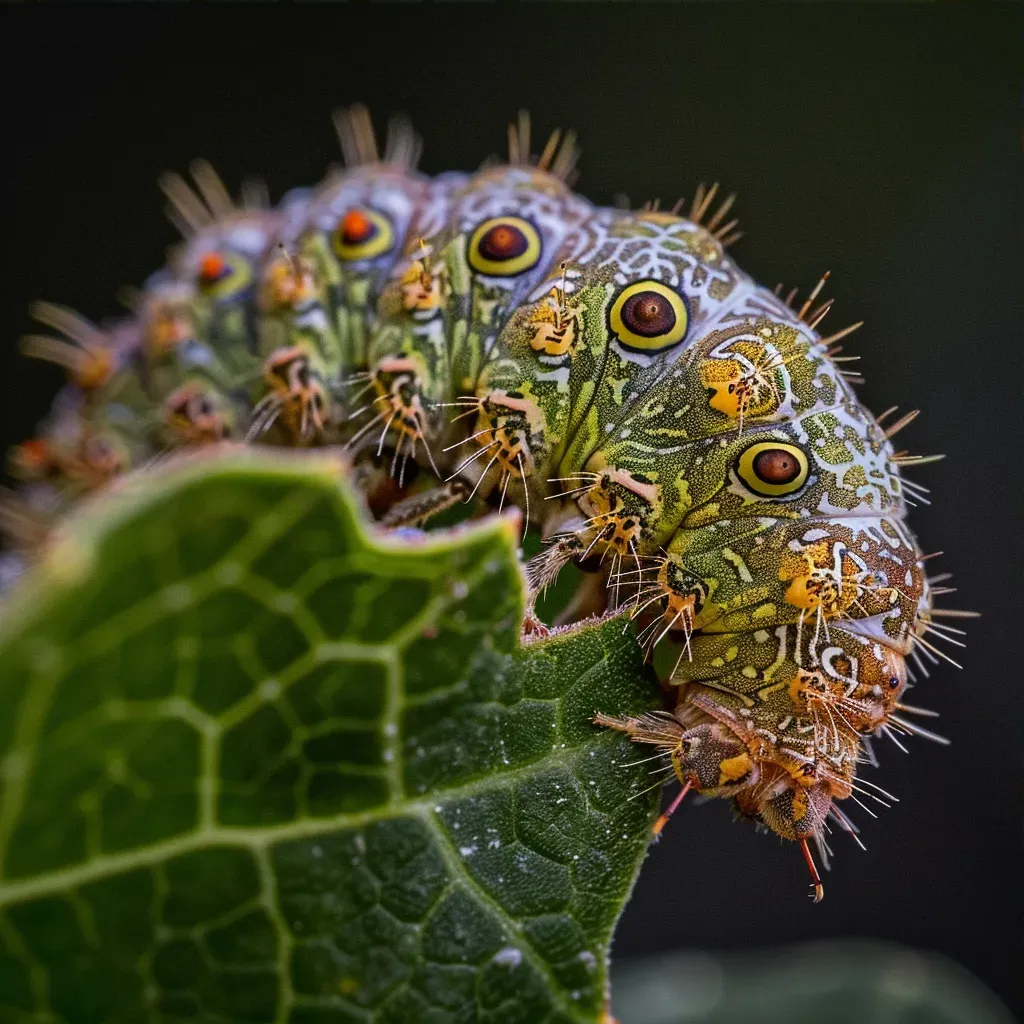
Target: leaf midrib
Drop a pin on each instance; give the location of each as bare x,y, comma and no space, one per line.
258,839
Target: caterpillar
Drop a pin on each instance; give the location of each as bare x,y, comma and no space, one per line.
687,437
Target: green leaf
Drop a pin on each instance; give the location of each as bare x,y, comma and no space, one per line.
260,763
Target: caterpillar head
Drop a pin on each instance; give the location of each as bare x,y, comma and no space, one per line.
715,761
709,756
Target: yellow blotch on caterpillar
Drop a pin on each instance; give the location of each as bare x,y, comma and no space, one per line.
424,285
555,322
732,769
830,577
288,282
745,382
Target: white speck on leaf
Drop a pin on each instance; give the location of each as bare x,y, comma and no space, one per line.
508,956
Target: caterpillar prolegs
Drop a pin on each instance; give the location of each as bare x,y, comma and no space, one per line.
685,435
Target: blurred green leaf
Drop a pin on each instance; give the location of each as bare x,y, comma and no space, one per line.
843,982
260,764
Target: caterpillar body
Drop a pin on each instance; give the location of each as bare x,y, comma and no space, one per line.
683,433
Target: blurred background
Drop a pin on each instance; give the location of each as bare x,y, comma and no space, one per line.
880,142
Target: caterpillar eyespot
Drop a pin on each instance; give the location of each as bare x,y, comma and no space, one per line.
773,469
649,317
222,275
684,433
504,246
362,234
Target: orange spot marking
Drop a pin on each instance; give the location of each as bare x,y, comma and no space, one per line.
503,237
355,226
212,266
34,451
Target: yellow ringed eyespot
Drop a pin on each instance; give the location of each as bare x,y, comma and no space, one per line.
773,469
362,234
222,274
649,316
504,246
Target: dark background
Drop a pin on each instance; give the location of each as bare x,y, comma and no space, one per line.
882,143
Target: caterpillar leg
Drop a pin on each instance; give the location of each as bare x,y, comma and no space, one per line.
396,410
676,596
662,821
418,508
296,399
